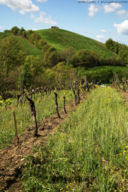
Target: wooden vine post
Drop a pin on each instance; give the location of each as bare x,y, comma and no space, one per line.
16,131
56,102
78,96
64,104
76,92
75,95
33,110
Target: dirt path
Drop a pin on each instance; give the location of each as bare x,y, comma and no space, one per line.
12,158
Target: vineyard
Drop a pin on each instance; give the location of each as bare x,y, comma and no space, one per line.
89,152
45,107
20,134
63,96
83,149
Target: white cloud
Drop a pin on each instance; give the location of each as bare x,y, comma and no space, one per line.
42,1
99,37
122,28
43,18
122,13
103,31
112,7
22,6
93,10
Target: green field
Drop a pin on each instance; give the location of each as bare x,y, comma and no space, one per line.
62,39
45,107
28,47
88,153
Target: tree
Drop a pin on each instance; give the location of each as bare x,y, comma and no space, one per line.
10,54
33,67
15,30
51,57
66,55
84,58
27,75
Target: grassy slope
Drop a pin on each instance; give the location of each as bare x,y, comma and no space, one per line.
26,46
89,152
62,39
3,35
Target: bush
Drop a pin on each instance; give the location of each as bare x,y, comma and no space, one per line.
84,58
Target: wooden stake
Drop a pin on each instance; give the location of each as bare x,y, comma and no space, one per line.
78,96
33,110
74,92
64,104
16,131
56,102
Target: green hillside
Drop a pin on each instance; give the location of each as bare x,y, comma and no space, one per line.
28,48
41,55
25,45
62,39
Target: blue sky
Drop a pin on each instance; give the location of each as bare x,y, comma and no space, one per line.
96,20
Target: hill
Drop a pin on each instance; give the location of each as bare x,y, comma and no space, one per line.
52,57
62,39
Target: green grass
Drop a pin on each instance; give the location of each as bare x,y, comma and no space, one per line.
88,153
45,107
62,39
4,35
27,47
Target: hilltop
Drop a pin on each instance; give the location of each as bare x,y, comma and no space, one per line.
62,39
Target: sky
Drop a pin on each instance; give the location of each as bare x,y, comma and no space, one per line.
97,19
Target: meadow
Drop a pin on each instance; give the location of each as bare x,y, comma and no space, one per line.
89,152
62,39
45,107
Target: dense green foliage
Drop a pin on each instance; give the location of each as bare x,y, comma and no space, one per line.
118,48
88,153
103,74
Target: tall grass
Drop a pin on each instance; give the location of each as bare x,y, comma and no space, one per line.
89,151
45,107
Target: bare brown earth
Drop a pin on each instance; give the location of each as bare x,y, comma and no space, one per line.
12,158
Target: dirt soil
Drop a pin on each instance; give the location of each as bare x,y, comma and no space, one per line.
12,158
